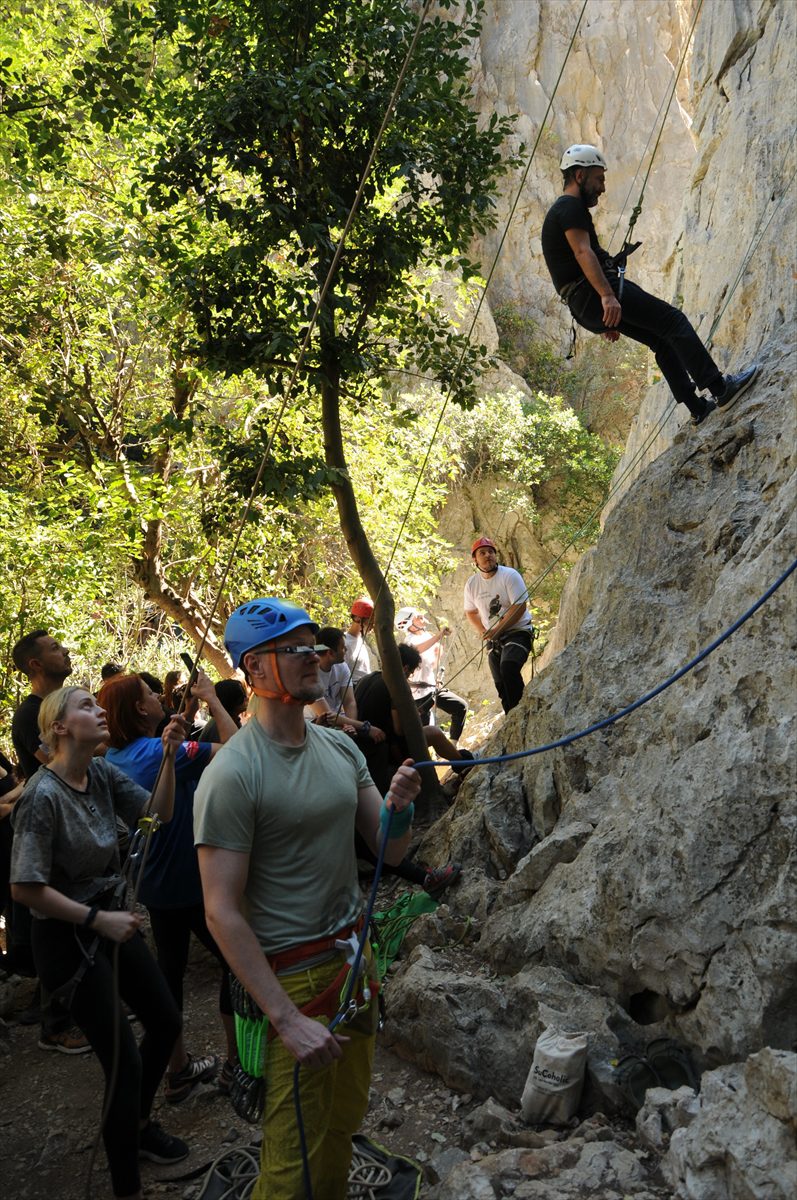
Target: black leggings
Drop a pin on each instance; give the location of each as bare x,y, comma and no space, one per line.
171,930
141,985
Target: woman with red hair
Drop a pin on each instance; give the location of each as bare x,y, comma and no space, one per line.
170,887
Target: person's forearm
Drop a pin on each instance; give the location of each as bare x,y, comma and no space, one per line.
422,647
510,618
163,797
50,902
225,725
588,262
245,958
475,620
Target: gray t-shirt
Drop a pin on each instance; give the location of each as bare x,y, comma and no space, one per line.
69,839
292,810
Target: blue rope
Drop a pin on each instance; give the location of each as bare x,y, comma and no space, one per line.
604,724
353,977
503,758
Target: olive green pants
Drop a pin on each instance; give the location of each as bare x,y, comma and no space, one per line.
334,1101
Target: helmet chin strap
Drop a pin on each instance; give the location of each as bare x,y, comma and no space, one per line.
284,697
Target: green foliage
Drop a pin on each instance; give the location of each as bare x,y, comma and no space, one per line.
536,445
603,383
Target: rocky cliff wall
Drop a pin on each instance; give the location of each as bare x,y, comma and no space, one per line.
618,74
642,881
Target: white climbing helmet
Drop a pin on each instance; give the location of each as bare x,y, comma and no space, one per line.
582,156
405,617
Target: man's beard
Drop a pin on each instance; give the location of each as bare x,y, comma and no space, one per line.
588,196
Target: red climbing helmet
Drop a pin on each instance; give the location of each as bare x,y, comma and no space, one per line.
488,543
362,608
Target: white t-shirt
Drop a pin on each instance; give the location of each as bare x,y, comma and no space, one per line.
426,676
334,682
357,659
493,595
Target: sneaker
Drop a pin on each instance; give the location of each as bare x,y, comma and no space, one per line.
155,1144
180,1084
69,1041
439,878
709,406
735,385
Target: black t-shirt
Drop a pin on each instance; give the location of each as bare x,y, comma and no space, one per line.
568,212
25,734
373,702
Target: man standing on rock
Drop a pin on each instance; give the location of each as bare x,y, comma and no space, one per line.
274,817
601,300
496,606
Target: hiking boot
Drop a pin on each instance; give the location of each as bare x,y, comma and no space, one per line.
180,1084
69,1041
709,407
439,878
155,1144
735,385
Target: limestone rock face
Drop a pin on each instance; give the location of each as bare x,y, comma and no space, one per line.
655,860
740,1145
736,229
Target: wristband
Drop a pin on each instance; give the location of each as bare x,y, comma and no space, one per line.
365,727
400,822
90,916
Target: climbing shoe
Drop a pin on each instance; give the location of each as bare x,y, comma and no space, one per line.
439,878
708,408
735,385
155,1144
180,1084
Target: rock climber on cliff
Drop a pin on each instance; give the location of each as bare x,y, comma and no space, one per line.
599,298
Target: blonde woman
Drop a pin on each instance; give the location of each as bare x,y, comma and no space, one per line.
65,867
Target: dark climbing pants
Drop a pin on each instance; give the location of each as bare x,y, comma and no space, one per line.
140,1068
682,358
505,660
447,702
171,932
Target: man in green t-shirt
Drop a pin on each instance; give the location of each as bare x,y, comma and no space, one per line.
274,821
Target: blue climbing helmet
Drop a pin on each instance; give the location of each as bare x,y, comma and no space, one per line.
260,621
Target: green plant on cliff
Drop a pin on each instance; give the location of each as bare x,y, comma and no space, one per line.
537,447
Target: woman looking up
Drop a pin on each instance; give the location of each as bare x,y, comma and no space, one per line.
65,867
170,887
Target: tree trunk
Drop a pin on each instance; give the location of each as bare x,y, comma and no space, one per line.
374,580
187,611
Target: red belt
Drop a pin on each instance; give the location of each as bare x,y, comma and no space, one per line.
297,954
326,1003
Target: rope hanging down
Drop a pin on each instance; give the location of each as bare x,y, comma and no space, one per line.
637,209
648,696
458,366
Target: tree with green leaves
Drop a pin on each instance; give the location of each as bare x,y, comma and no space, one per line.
254,126
126,454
